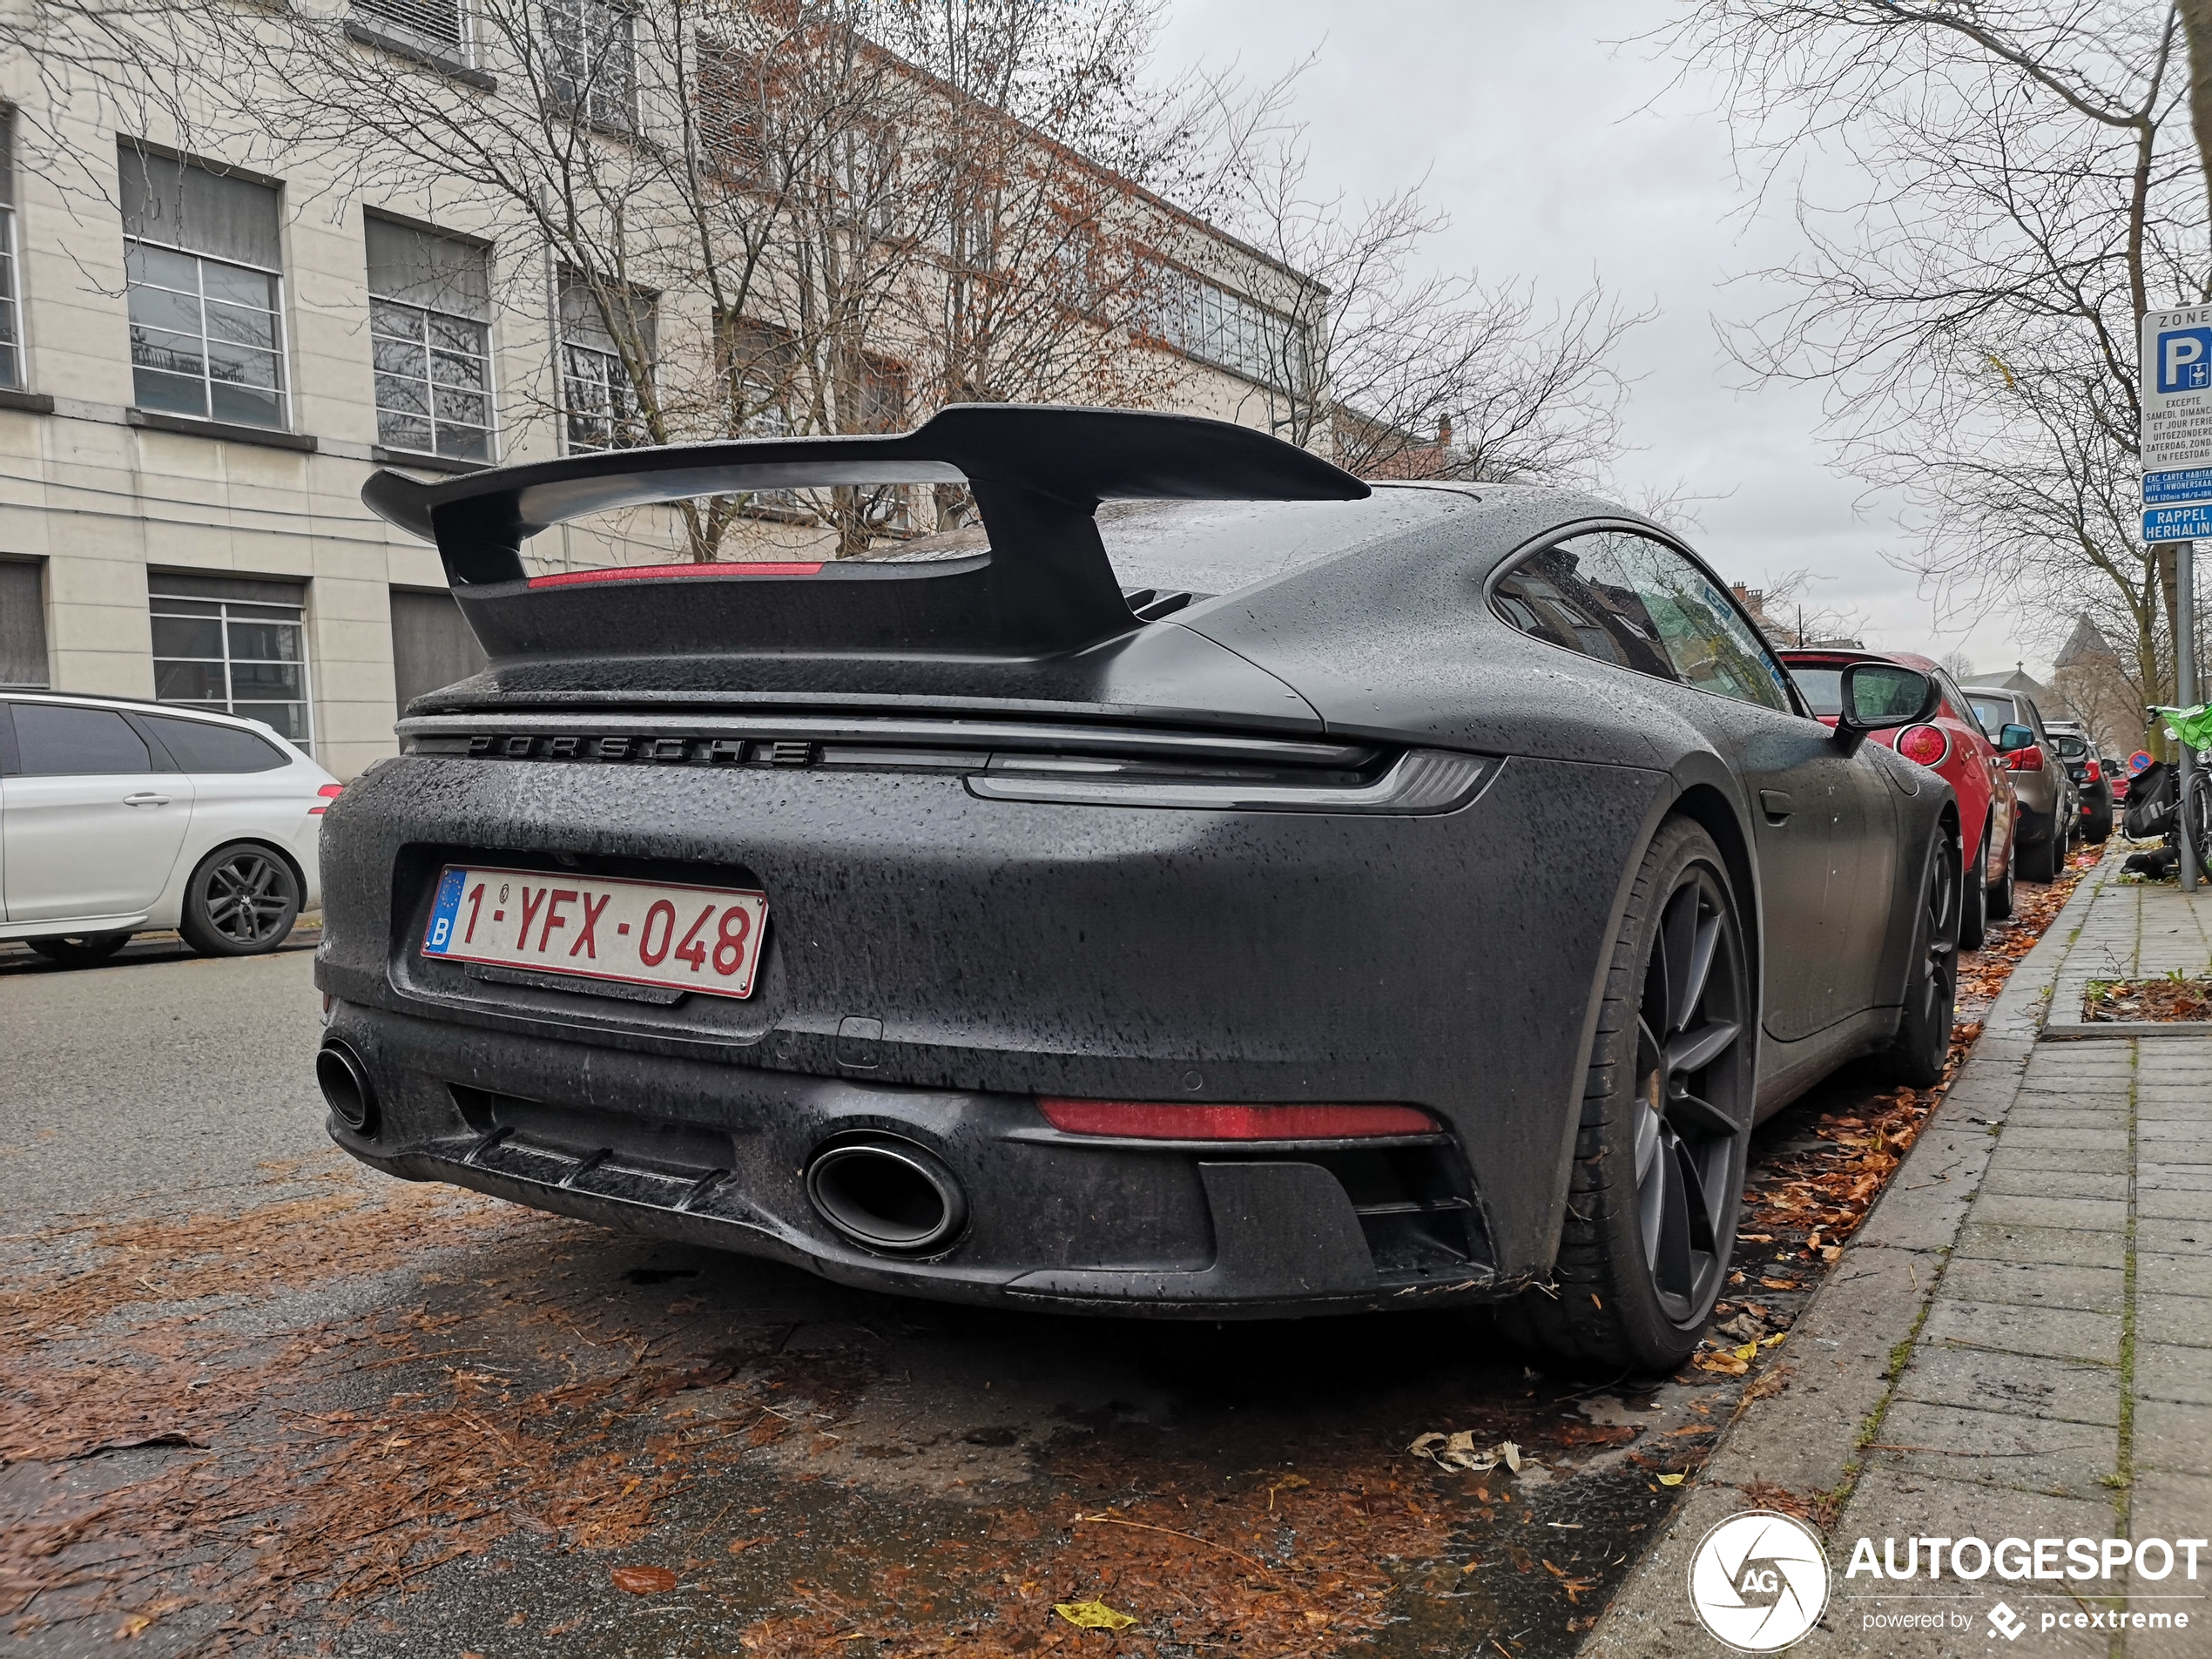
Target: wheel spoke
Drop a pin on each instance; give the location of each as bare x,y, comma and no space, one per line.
1693,1117
1694,1050
1678,934
1671,1268
1647,1126
1701,969
1696,1202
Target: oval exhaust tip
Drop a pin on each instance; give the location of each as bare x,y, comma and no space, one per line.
887,1195
344,1081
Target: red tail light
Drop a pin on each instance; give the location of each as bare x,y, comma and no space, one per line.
1925,744
329,792
1171,1120
652,572
2027,760
2094,774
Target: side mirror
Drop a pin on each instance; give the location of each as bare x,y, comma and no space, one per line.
1876,697
2014,737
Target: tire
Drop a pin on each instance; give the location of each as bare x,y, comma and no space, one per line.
241,902
1922,1041
1974,910
1658,1172
80,950
2096,828
1998,900
2199,817
2040,861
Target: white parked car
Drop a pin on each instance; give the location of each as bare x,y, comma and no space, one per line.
119,817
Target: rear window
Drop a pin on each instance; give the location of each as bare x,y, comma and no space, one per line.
55,739
200,746
1824,688
1993,713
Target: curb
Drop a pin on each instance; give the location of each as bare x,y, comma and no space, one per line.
1843,1353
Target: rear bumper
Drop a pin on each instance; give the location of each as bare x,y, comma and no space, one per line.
1083,1223
934,960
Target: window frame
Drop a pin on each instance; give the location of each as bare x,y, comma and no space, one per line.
461,47
156,598
595,106
1561,533
621,406
282,334
12,332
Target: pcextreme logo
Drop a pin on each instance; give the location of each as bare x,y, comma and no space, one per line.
1759,1581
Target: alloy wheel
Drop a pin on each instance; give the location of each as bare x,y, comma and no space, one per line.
249,898
1693,1081
1939,960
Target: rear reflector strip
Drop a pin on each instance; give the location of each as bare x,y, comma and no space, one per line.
651,573
1176,1121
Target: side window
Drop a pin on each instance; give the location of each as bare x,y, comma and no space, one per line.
1563,595
196,745
1626,598
57,740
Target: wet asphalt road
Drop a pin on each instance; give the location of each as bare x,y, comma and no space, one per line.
400,1419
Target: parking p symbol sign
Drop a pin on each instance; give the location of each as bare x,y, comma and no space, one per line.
2185,360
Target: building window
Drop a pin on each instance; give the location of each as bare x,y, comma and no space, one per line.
732,95
11,364
437,23
22,625
235,644
201,260
432,643
591,50
1205,321
430,324
598,393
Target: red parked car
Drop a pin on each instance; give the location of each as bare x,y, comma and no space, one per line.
1954,745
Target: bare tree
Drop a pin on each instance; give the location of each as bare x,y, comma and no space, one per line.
2024,189
1409,371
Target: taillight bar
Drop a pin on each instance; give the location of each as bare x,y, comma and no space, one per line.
2027,760
652,573
329,792
1171,1120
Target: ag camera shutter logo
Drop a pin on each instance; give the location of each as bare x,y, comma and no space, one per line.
1759,1581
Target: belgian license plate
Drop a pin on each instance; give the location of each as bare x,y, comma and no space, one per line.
640,933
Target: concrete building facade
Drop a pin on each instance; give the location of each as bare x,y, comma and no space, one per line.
204,351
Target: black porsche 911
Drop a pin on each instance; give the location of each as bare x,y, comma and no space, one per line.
1272,894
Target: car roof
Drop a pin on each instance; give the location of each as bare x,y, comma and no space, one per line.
102,700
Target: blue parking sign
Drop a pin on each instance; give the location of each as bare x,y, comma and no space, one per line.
2184,360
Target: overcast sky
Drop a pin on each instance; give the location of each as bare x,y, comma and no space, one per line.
1558,156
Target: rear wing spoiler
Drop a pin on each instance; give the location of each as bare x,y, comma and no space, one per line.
1038,474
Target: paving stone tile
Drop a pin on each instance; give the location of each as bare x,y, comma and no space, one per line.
2053,1334
2153,1176
2067,1248
2065,1111
2084,1214
2069,1139
2019,1180
2095,1290
2186,1321
2163,1372
1997,1449
2039,1157
2012,1382
2156,1150
2163,1204
2170,1507
2173,1275
2174,1437
2179,1238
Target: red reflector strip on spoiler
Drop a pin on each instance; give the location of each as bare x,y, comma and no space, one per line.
1176,1121
648,572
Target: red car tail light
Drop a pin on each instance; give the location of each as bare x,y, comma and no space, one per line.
1176,1121
329,792
1925,743
656,572
2027,760
2092,773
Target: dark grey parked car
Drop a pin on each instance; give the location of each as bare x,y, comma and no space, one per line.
1308,897
2048,806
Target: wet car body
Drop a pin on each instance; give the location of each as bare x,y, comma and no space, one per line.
2093,790
1952,743
1341,838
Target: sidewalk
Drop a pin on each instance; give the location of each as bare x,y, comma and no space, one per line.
2018,1342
